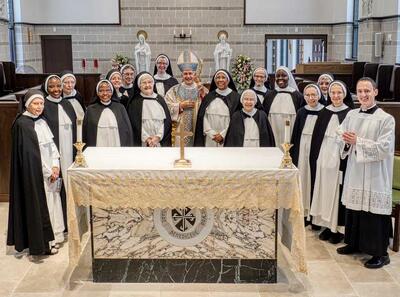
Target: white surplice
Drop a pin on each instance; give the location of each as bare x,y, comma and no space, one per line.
304,156
328,177
107,129
216,119
153,116
282,108
368,181
50,158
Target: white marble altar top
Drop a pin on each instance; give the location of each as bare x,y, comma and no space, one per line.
143,158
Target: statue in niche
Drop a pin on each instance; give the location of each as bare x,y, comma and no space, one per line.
3,10
142,52
222,52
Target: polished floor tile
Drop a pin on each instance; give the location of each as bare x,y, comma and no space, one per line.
329,275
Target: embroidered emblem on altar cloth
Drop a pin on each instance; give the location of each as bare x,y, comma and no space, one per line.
183,226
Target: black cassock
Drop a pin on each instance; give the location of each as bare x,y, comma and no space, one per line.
235,135
29,223
50,114
320,127
232,101
91,121
297,97
299,123
135,108
168,83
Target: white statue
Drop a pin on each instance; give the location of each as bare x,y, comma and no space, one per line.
142,53
222,52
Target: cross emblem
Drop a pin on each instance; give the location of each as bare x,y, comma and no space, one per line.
183,218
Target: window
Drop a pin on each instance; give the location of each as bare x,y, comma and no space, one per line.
354,49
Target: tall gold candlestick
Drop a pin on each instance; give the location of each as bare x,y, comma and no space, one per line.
79,158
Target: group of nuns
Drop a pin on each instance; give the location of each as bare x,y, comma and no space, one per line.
129,110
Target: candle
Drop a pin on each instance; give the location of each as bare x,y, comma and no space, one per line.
79,122
182,31
190,32
287,131
174,32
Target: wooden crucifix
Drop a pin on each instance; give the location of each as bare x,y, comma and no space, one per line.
182,162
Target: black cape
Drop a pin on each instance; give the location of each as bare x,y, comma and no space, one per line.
135,108
78,97
320,127
29,223
299,123
92,117
232,100
297,97
168,83
125,99
235,134
259,105
50,114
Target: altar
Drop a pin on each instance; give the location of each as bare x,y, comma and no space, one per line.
215,222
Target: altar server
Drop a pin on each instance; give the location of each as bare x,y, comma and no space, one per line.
128,73
260,84
301,140
149,115
282,103
327,169
249,127
106,122
163,76
367,138
35,220
68,81
216,110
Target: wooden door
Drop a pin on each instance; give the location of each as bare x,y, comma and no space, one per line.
56,53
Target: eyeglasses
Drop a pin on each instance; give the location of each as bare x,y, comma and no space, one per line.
311,96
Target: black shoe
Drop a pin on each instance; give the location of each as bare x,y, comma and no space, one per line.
377,262
336,238
325,235
346,250
315,227
306,222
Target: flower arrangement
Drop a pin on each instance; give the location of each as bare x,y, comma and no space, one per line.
241,72
119,60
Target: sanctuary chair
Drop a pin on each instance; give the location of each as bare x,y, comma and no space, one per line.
383,81
371,70
396,202
357,73
396,84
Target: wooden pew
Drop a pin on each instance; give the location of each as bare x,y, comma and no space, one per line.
85,83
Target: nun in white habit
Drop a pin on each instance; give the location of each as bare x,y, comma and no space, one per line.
249,127
50,168
106,122
149,115
216,110
301,140
68,81
61,118
282,103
